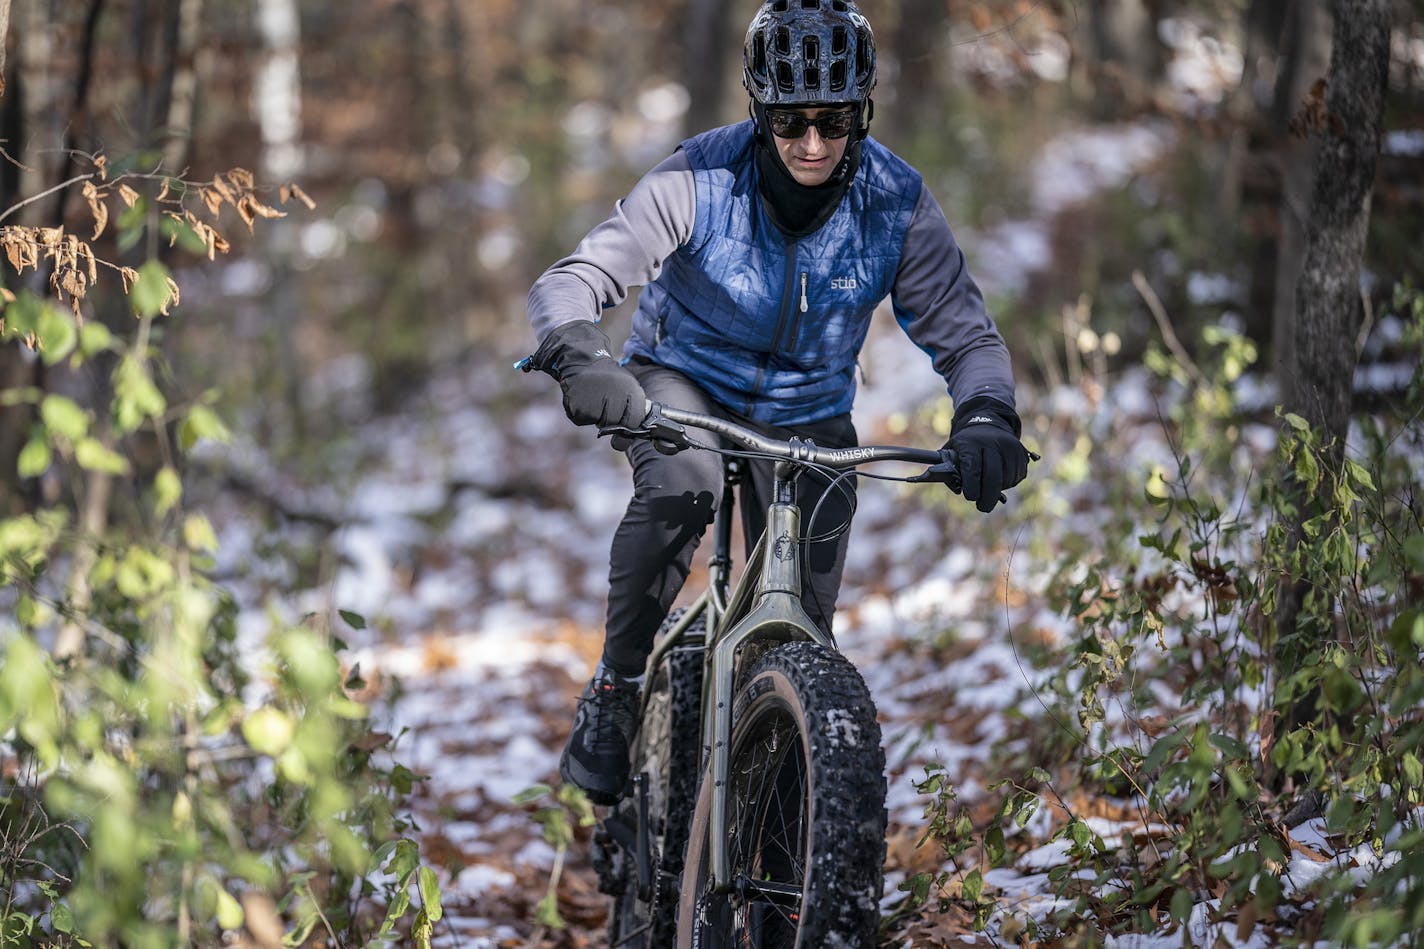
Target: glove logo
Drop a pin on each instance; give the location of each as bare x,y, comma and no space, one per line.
979,418
602,354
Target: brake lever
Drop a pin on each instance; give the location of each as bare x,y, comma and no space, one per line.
667,436
946,472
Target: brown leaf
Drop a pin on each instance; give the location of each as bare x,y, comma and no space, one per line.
262,920
1246,918
129,276
223,190
303,197
130,196
97,207
245,212
212,199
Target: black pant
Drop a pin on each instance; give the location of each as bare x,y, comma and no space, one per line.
674,500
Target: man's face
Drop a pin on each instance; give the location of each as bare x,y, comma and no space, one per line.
806,152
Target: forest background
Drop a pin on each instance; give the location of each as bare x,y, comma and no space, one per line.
240,236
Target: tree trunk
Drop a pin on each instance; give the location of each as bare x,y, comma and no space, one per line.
1328,301
1125,55
916,45
1347,122
1305,56
707,41
4,38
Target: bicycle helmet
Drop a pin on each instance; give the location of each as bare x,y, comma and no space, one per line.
799,52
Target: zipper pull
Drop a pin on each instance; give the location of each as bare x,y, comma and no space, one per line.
804,305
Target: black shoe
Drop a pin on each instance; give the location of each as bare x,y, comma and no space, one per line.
596,757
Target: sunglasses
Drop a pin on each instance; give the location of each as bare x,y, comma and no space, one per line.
794,124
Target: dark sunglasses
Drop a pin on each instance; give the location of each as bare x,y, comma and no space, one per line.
794,124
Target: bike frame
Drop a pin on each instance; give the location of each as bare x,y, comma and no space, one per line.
764,605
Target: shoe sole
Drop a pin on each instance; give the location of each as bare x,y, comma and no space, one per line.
594,786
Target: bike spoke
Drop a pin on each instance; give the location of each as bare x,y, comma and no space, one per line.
767,841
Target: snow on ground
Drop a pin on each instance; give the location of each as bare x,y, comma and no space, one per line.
476,548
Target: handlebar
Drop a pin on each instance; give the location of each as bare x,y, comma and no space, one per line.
666,427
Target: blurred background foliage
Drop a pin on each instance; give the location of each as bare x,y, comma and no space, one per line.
1117,171
455,148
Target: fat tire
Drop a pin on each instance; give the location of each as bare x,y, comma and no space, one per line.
811,700
667,749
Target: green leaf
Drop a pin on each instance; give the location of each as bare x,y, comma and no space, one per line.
94,338
176,229
974,885
1412,769
34,457
57,334
301,931
167,490
430,894
547,912
532,793
151,292
22,317
354,620
1414,553
198,533
135,395
61,917
200,423
405,860
63,416
268,730
229,913
1181,904
92,455
1360,474
1296,422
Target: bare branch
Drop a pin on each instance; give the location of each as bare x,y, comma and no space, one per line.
1169,336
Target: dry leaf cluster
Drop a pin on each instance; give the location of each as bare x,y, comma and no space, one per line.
74,267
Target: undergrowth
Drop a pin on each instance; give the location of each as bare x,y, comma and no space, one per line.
1202,754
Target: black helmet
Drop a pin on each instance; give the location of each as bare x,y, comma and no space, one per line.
802,51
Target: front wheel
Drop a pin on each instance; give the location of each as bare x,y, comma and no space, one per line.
805,813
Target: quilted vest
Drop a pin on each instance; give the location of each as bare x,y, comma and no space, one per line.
767,324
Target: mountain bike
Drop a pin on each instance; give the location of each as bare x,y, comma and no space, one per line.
782,841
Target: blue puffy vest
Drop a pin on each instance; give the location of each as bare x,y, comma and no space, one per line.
770,325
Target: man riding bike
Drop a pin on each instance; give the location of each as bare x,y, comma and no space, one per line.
763,249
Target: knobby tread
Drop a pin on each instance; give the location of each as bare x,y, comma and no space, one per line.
844,873
668,742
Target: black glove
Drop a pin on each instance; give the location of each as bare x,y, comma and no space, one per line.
597,390
985,435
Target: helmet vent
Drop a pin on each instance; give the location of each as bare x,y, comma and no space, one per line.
813,78
779,6
810,48
781,40
785,80
839,39
810,4
838,76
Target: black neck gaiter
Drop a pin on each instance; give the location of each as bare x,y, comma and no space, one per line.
795,208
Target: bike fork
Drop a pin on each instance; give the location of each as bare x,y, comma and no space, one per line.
777,615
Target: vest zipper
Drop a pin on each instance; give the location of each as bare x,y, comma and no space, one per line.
796,320
788,292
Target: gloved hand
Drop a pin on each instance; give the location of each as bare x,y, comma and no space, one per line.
985,435
597,390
